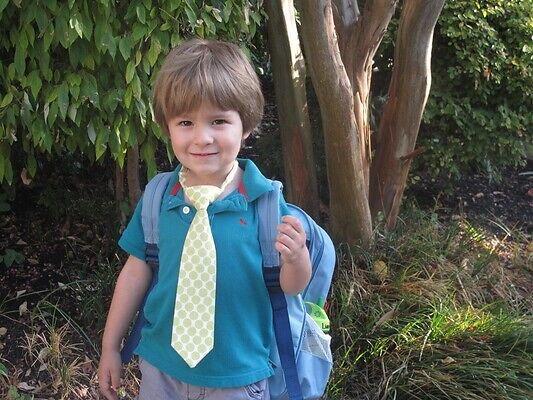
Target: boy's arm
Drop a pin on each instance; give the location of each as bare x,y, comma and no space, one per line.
295,262
132,283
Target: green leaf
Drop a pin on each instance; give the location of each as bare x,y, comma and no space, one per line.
35,83
91,133
125,46
139,31
11,256
72,112
154,51
8,98
30,33
102,137
191,16
62,31
52,113
76,23
62,99
20,59
136,86
127,97
147,154
114,141
130,71
32,165
3,4
141,13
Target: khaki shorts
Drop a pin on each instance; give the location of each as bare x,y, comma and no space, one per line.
156,385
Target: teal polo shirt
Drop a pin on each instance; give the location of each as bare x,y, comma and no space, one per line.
243,319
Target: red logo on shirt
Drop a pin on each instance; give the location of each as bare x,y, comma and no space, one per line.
242,221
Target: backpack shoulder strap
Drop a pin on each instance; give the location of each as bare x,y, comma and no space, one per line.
152,198
268,210
269,218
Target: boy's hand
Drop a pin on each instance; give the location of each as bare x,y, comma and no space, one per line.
109,374
291,240
296,265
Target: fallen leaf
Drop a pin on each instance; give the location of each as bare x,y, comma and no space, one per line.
3,331
20,293
61,285
33,261
28,372
479,195
385,317
43,354
23,308
43,367
380,270
25,386
21,243
448,360
82,392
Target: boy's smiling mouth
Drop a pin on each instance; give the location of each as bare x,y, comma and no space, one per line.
203,154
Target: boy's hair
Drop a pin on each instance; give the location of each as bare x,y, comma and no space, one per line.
201,70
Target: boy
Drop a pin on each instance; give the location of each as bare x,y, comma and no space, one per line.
208,99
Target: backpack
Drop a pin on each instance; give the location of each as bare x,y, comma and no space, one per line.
300,351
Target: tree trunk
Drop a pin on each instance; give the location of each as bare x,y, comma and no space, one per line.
349,211
288,67
359,39
369,32
134,187
119,195
408,92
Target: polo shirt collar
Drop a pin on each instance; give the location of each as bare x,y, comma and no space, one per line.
254,183
252,186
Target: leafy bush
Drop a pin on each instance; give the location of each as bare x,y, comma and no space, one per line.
76,76
479,113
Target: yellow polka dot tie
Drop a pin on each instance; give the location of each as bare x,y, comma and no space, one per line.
194,313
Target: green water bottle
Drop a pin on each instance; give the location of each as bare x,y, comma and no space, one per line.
316,311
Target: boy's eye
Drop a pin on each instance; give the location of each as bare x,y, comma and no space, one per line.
219,122
184,123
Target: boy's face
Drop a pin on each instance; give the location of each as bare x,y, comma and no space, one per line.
207,141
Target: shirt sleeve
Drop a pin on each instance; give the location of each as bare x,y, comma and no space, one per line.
132,239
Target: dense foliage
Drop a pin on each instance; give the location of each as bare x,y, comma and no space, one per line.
76,75
480,110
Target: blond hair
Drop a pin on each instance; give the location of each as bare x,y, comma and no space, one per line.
201,70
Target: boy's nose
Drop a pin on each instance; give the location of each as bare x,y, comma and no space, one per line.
202,135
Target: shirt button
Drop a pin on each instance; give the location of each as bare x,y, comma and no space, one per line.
186,210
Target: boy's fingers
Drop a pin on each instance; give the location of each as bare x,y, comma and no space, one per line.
294,222
105,387
115,380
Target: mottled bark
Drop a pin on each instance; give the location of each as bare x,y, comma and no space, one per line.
349,211
408,92
288,67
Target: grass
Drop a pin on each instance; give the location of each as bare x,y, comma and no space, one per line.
433,311
447,315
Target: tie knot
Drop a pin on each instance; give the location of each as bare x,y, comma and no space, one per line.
202,195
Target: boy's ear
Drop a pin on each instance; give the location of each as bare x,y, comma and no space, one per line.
245,135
